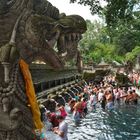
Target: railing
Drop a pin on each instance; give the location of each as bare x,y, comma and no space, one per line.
93,69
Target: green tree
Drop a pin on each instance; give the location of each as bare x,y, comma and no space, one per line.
96,44
126,37
131,56
114,10
119,38
95,33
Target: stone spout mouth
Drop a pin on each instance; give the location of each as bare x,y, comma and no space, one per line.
67,44
58,38
72,27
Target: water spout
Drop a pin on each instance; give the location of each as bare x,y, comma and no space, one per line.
69,95
80,88
54,101
63,99
72,92
76,89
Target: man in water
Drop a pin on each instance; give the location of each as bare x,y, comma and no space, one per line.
109,100
135,97
62,129
77,111
93,101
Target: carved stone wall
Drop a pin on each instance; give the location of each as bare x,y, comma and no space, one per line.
29,30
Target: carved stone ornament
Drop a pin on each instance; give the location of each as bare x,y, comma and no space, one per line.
31,30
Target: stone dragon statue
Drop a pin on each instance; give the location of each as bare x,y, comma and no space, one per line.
31,30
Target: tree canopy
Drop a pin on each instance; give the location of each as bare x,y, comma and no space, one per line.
97,44
114,10
118,39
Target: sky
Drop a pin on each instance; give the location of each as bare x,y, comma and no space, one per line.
65,6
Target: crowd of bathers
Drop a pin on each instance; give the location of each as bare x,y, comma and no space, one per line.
106,94
134,78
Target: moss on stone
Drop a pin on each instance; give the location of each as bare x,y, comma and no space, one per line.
73,21
91,76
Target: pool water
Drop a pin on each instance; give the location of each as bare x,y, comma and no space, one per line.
121,124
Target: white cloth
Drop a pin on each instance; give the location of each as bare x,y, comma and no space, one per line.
100,96
93,99
63,126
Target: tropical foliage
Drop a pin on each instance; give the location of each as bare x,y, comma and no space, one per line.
119,37
97,44
114,10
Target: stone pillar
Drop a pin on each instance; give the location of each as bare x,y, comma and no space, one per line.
6,66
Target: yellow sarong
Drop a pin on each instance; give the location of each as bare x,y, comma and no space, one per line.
30,92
